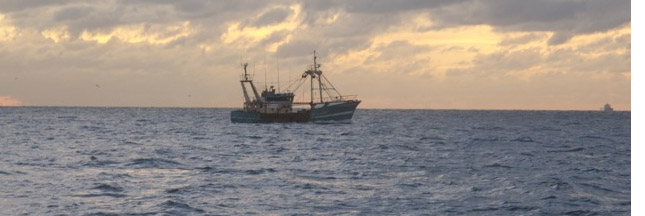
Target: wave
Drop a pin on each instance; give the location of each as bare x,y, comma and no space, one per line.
154,163
119,214
431,138
102,214
496,165
4,173
568,150
488,128
94,162
114,195
524,140
259,171
176,205
108,188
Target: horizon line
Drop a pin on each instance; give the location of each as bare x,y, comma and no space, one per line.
368,108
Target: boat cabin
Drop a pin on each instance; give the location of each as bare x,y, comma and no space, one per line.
276,102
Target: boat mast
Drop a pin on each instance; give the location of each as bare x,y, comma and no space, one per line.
319,73
312,82
313,72
250,81
246,79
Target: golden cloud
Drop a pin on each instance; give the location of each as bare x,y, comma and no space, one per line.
56,34
7,31
247,36
146,33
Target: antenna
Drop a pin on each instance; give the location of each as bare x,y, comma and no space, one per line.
319,73
289,78
246,75
277,63
312,81
264,63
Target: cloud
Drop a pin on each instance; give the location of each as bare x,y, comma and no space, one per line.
19,5
7,31
72,13
132,43
566,18
296,48
609,43
605,55
9,101
560,38
398,51
152,34
523,39
501,63
273,16
377,6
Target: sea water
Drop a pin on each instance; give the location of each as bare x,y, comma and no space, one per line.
187,161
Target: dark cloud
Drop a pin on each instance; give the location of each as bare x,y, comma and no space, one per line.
301,48
272,17
72,13
388,6
505,12
315,5
567,18
342,46
620,42
363,18
296,48
105,15
19,5
207,9
452,49
560,38
274,38
473,49
376,6
357,25
510,41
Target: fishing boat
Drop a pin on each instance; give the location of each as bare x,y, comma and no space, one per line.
607,108
326,103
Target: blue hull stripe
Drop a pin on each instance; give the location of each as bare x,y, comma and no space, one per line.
335,114
244,117
335,118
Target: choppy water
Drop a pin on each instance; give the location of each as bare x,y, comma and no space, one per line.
151,161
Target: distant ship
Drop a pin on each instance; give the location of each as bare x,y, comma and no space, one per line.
272,106
607,108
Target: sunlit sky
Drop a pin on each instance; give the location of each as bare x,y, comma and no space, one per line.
442,54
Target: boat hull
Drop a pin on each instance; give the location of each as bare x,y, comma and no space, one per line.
334,111
321,112
240,116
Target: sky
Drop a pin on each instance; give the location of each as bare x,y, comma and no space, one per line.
410,54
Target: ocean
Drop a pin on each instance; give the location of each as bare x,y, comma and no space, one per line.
194,161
